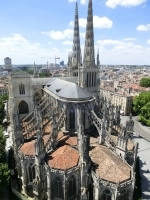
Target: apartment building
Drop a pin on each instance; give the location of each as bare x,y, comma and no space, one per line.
122,98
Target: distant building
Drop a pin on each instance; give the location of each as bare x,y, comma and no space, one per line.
7,63
62,63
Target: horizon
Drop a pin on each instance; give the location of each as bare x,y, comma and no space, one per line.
31,30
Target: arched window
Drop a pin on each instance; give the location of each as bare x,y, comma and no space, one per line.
31,172
106,195
36,97
72,118
57,188
21,89
23,107
72,187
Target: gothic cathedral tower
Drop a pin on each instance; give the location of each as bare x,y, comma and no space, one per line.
89,72
75,58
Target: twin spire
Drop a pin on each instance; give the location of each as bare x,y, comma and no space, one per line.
76,55
89,57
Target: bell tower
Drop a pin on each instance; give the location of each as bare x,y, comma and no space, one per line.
89,72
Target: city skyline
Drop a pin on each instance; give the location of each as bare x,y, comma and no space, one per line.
31,30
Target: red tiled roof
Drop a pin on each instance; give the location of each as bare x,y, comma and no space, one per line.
109,166
64,158
68,140
28,148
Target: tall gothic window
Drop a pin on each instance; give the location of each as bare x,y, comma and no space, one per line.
106,195
23,107
21,89
31,172
72,118
72,187
57,188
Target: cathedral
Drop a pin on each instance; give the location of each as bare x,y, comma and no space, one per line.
68,141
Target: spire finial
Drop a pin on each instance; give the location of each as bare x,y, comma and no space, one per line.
76,41
89,58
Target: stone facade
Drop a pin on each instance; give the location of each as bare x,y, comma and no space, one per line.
68,140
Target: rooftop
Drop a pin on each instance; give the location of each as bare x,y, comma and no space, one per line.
65,157
108,166
67,89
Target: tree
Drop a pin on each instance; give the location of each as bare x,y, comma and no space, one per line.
2,145
30,71
3,98
4,171
4,176
141,106
145,82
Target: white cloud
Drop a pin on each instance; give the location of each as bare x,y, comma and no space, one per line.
83,1
102,22
99,22
142,27
129,39
67,43
22,51
82,22
122,52
125,3
148,41
59,35
50,43
109,42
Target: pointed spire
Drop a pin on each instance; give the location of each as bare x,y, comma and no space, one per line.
34,70
76,50
98,62
89,58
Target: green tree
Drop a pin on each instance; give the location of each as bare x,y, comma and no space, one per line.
44,74
30,71
2,145
3,98
145,82
141,106
4,176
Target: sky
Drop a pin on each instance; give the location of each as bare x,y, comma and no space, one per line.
33,29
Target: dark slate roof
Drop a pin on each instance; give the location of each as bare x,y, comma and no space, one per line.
44,81
67,89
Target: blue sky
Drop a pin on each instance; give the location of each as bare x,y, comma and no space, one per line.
31,29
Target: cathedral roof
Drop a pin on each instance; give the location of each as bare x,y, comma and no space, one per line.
28,148
44,81
64,158
66,139
67,89
109,166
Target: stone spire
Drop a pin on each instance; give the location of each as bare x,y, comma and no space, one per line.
34,71
76,50
98,62
89,57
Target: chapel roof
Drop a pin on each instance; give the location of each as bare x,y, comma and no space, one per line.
67,89
109,166
63,158
28,148
66,139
